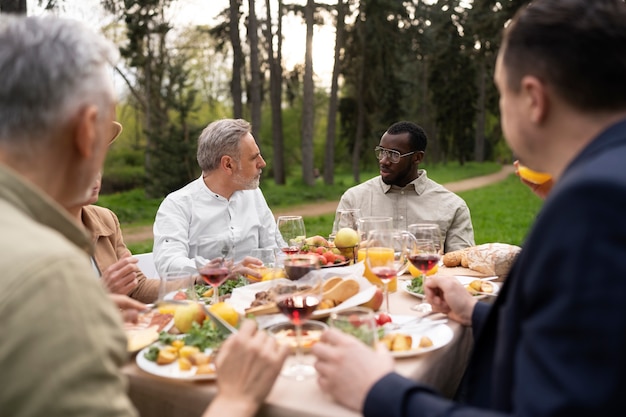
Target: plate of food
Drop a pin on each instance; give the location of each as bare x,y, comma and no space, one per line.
340,292
415,339
186,356
479,287
146,330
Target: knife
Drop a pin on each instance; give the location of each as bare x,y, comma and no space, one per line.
218,321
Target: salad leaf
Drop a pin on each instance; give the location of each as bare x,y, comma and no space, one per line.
152,353
416,286
204,336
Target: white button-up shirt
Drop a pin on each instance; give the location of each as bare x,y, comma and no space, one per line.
194,212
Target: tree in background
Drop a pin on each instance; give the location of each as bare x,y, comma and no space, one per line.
256,84
13,6
276,90
161,88
308,99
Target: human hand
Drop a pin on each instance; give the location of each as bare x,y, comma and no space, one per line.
249,266
121,277
447,295
540,190
248,363
347,368
128,307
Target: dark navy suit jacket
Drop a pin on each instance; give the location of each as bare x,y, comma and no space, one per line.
554,341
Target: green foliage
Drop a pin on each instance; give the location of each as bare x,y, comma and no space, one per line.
131,207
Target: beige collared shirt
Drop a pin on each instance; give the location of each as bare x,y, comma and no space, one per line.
421,201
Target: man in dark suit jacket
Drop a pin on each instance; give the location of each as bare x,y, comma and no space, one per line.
553,342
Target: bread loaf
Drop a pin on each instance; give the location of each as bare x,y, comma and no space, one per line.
492,258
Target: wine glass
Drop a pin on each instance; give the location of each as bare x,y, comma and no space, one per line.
292,230
345,218
428,231
298,302
386,256
424,256
215,271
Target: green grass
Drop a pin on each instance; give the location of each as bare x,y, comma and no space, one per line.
502,212
135,210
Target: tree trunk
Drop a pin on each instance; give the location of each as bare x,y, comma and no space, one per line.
276,92
479,138
235,83
308,99
255,73
329,154
13,6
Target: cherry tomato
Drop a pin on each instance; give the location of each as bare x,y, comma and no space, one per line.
382,318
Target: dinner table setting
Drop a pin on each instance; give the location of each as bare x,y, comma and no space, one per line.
170,373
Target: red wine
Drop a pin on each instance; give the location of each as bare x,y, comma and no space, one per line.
298,307
214,276
384,273
291,250
424,261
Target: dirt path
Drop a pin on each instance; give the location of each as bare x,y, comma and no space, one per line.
139,234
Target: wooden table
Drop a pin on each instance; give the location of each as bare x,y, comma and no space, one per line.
154,396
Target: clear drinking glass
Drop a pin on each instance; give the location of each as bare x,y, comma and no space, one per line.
424,256
292,230
345,218
359,322
386,256
428,231
175,286
298,304
215,271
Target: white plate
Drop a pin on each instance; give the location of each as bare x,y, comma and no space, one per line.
171,370
440,335
242,297
463,279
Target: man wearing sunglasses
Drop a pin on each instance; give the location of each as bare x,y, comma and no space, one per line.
404,192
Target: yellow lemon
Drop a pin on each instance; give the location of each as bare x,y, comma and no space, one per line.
273,273
532,176
225,311
416,272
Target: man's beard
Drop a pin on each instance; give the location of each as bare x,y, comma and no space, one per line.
246,183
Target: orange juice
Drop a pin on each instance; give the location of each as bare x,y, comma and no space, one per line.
377,253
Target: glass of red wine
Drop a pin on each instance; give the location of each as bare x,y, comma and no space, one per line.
298,302
293,233
216,271
386,256
424,256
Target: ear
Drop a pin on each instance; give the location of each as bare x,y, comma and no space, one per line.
227,163
418,157
85,132
536,97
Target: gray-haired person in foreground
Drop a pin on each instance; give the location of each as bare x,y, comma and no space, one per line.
63,343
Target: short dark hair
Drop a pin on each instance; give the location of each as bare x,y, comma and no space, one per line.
576,46
417,136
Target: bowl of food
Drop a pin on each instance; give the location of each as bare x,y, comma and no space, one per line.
297,266
285,334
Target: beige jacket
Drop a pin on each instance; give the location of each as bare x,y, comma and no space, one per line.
109,247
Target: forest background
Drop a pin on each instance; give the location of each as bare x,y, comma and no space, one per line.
430,62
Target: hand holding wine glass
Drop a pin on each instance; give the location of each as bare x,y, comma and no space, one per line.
293,233
298,302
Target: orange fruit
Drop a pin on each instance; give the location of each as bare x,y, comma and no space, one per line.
532,176
416,272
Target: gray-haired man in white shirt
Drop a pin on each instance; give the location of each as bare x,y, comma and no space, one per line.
224,205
